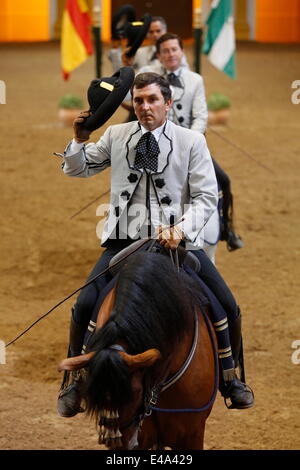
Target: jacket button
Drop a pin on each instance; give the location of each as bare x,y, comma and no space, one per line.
132,178
179,106
166,200
160,182
125,194
180,119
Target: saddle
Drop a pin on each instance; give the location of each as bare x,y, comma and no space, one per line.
179,257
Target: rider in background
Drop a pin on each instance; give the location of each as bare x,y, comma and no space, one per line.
145,55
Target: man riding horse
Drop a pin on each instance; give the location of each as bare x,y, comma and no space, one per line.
167,170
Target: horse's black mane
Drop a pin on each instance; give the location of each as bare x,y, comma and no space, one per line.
154,307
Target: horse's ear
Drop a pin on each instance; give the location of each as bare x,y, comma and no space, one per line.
139,361
76,362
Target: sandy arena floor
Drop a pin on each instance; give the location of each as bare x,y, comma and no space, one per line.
45,254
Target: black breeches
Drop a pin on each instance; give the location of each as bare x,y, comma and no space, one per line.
212,278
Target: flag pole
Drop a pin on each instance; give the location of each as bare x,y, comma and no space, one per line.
197,35
97,14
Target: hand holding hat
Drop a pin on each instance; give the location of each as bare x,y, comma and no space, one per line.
80,133
127,60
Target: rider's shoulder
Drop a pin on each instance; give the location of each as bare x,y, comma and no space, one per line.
123,129
187,134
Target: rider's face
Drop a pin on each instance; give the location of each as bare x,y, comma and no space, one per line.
156,30
170,54
150,106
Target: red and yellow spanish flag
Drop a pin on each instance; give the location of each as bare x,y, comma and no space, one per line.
76,43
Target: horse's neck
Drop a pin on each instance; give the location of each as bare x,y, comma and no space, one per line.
181,351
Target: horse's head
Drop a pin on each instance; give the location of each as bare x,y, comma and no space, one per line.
115,391
152,310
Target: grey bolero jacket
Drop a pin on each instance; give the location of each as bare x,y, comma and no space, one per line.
185,183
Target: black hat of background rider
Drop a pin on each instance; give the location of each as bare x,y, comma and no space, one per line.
120,19
136,32
105,95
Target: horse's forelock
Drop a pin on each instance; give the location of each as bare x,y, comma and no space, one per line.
107,382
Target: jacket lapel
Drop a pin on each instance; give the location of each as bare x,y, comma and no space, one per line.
131,145
165,147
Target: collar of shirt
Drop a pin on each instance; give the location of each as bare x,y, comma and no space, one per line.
176,72
157,132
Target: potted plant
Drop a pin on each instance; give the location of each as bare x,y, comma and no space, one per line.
218,108
69,107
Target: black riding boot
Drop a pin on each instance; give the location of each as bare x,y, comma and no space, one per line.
68,403
233,240
235,389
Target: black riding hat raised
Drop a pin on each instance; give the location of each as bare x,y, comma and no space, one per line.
136,32
120,19
105,95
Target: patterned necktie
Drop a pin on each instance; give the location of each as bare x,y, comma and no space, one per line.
174,80
147,151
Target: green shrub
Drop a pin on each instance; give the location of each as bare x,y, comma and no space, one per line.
218,101
70,101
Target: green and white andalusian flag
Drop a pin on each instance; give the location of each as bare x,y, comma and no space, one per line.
220,38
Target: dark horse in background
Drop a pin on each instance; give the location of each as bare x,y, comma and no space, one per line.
151,373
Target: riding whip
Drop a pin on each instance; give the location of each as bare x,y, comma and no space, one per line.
87,284
241,150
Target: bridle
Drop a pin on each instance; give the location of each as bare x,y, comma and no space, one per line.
152,395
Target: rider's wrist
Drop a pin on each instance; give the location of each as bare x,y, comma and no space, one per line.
180,233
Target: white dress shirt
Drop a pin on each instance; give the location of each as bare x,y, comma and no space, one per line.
139,198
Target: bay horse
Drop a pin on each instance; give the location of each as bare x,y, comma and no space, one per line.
151,370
